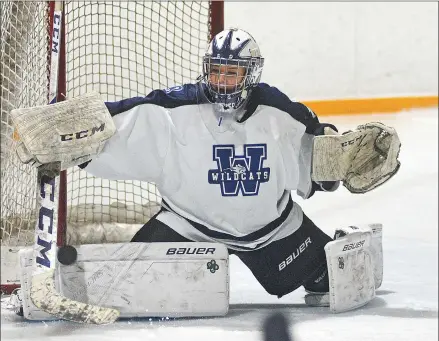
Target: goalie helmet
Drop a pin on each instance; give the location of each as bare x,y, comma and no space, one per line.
232,66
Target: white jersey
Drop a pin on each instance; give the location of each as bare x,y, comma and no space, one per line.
221,180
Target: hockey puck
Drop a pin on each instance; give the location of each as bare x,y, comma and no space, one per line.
67,255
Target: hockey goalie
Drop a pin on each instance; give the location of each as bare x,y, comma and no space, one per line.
225,153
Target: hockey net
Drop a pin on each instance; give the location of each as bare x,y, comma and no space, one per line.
121,50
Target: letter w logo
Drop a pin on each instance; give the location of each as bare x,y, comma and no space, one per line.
239,173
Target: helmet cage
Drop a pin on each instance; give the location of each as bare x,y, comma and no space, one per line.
233,96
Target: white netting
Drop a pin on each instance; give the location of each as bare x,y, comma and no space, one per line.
121,50
24,82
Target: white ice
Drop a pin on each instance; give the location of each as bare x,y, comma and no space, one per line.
406,305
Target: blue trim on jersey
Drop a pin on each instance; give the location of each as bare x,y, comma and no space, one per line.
251,237
193,94
264,94
174,97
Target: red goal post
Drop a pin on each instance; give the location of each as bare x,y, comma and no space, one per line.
120,49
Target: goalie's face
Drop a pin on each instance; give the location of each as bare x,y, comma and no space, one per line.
232,67
227,79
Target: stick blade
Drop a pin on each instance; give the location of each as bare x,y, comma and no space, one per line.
45,297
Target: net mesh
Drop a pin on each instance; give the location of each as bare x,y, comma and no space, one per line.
121,50
24,82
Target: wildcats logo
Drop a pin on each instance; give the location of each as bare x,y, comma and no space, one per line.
239,173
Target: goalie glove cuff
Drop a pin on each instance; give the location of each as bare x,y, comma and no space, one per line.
25,156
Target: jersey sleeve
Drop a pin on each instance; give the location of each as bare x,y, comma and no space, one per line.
143,135
306,186
138,149
271,96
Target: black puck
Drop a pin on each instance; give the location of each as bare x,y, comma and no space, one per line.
67,255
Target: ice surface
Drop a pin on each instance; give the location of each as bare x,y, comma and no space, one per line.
406,305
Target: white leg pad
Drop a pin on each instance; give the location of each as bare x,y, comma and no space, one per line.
30,311
376,247
10,274
146,279
351,271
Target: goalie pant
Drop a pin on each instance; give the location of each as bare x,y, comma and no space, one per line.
280,267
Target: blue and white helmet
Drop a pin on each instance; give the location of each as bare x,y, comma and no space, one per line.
238,48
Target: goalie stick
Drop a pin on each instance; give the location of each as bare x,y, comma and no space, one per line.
43,292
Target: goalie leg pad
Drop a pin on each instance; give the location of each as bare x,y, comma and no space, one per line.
364,261
351,271
376,246
147,279
30,311
377,253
